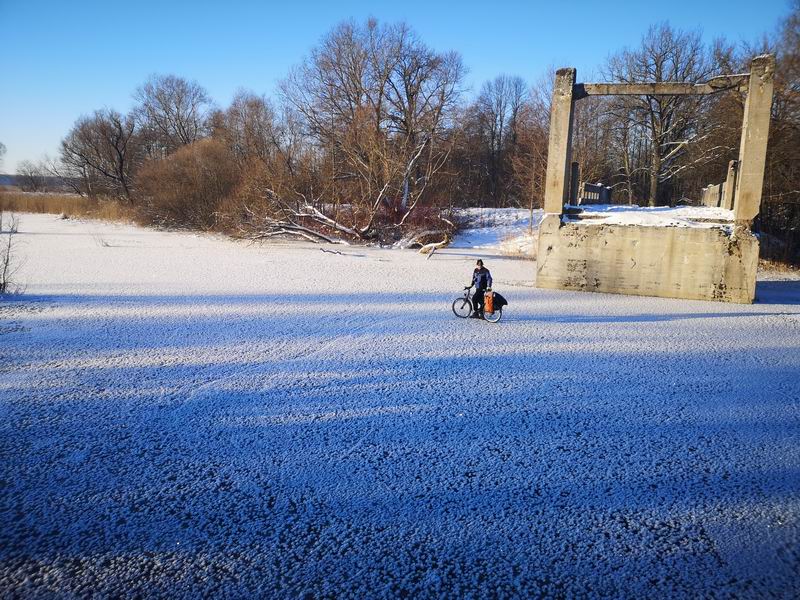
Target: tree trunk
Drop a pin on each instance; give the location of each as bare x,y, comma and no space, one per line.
655,168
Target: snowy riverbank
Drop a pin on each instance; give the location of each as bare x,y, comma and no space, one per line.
509,231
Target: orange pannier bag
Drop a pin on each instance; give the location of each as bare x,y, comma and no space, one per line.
488,302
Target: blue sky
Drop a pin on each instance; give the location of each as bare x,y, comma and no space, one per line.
63,59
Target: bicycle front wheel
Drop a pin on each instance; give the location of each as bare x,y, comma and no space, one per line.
493,317
462,307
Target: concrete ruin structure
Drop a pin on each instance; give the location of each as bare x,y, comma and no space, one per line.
714,260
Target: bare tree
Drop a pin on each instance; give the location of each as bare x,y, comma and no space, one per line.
422,91
529,161
670,123
496,111
780,208
377,104
8,266
77,177
32,177
250,127
172,111
2,153
104,150
783,173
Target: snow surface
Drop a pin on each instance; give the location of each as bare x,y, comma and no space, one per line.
659,216
185,416
505,229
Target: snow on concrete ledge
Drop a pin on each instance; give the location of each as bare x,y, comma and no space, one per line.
658,216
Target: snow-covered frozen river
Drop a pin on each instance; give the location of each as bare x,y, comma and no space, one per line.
184,415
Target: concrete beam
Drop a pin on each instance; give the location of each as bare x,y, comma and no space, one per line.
753,148
665,88
559,147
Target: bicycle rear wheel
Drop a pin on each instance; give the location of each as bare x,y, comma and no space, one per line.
493,317
462,307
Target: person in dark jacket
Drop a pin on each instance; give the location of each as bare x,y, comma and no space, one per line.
482,280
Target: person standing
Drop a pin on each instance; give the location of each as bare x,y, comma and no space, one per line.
482,280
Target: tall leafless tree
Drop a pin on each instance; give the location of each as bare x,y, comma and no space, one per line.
670,123
103,150
496,111
250,127
378,102
31,177
172,111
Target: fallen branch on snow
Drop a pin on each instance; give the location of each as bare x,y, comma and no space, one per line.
273,228
422,238
429,249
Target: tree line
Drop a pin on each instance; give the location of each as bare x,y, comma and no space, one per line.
373,134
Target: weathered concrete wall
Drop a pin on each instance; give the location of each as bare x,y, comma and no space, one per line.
712,195
701,263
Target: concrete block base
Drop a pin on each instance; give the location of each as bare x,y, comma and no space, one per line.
697,263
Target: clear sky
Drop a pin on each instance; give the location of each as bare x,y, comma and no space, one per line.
61,59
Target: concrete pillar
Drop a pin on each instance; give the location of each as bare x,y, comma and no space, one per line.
753,148
558,153
574,177
729,187
711,195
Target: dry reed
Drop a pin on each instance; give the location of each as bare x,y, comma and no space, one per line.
70,205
